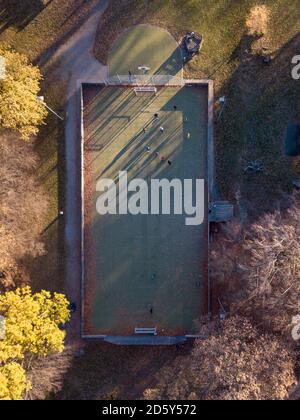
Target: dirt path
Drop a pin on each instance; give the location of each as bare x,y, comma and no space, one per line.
76,64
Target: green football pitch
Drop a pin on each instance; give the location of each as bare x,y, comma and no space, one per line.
143,271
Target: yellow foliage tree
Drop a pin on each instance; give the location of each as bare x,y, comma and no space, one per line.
19,108
31,329
13,382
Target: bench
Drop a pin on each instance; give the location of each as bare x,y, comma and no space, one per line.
150,331
147,89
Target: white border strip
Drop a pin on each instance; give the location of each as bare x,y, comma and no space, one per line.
82,213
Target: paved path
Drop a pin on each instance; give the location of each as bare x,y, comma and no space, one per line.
77,64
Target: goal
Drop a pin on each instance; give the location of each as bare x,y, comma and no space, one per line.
141,90
144,69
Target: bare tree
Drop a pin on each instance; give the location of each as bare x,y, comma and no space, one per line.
257,21
47,374
236,362
23,206
257,269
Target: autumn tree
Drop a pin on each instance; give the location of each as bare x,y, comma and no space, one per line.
258,19
32,329
236,362
19,88
23,209
13,382
257,268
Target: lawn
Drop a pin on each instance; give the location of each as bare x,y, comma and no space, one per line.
145,45
38,27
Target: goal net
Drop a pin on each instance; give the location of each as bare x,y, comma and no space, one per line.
148,90
142,80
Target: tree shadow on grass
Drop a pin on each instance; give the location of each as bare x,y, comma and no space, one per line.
261,100
112,372
50,174
82,16
18,14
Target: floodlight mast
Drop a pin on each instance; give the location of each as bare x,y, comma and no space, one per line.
2,68
41,99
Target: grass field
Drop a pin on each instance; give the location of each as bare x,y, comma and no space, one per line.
38,27
137,262
147,45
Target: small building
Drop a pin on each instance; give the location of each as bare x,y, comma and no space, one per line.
292,139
